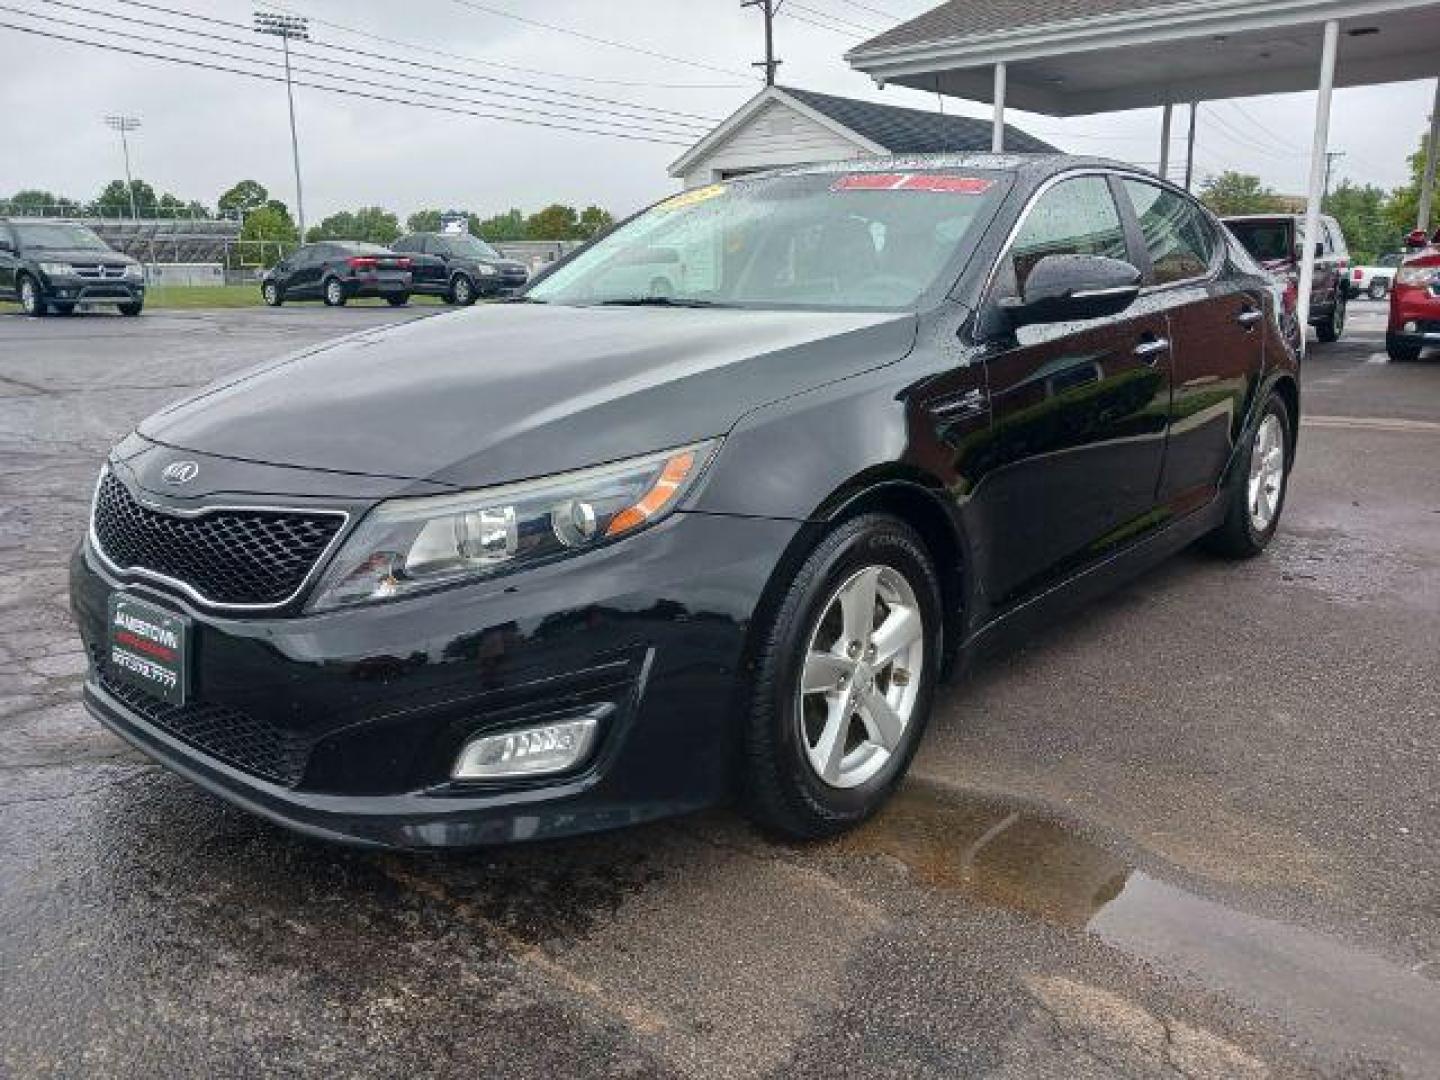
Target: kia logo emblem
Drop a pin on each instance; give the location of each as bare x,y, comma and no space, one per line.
180,472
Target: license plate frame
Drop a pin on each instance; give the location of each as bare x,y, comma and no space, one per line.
148,647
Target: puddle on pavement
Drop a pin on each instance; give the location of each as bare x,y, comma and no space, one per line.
1006,856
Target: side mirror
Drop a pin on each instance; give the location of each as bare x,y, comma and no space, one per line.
1066,288
6,245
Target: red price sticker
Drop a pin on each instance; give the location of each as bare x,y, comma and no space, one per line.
933,182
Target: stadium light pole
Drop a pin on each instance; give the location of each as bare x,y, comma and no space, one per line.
125,124
286,28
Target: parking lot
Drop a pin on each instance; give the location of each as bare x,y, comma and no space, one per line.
1193,831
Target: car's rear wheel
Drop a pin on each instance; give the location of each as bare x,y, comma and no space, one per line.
63,309
1332,327
1378,290
1257,492
271,294
1402,354
334,293
398,299
462,290
31,301
131,310
844,676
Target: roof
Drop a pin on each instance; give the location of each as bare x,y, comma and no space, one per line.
879,129
968,18
1079,57
914,131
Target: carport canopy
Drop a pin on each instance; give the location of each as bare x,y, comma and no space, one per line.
1082,57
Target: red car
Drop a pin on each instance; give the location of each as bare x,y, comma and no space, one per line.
1415,304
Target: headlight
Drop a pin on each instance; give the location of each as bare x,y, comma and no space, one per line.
485,270
56,269
135,272
407,546
1416,275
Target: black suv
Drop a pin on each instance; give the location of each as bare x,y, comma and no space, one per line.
459,267
336,271
54,265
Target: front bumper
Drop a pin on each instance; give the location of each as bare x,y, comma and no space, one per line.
78,290
371,705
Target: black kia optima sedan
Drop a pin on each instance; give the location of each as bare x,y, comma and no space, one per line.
599,556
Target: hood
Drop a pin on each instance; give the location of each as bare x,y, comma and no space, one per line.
79,255
507,392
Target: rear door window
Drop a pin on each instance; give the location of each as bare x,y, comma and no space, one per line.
1177,236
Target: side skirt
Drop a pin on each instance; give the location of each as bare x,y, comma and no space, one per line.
1014,626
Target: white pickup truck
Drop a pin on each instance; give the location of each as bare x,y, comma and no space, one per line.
1375,281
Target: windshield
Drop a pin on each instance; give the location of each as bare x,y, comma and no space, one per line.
1268,241
472,246
832,241
57,236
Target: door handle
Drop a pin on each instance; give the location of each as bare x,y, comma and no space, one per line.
1249,317
1151,349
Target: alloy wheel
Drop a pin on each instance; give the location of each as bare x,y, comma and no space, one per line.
861,676
461,290
1267,473
29,296
335,293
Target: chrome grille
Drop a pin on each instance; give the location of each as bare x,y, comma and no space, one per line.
227,557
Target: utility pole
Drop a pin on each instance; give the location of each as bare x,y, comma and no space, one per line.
1427,178
1190,151
1330,157
768,8
125,124
286,27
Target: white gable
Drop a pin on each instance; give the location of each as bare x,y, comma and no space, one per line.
776,134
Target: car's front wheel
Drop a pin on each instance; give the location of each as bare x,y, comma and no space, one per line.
334,293
462,291
271,294
132,309
398,299
31,300
844,676
1257,491
1379,289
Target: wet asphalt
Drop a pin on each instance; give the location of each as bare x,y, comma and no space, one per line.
1193,831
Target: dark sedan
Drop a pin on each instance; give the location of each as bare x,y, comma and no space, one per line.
459,268
599,555
337,271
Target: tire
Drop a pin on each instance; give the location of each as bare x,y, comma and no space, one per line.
785,786
271,294
462,290
398,300
32,300
1245,532
1378,290
63,309
333,292
131,310
1333,326
661,286
1402,354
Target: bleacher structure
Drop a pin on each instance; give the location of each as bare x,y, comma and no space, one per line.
163,236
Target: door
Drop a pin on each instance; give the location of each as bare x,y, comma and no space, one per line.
9,260
1078,411
1216,316
309,261
434,271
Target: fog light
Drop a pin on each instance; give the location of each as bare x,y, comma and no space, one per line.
1411,327
531,751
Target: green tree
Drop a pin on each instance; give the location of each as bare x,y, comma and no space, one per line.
507,226
424,221
594,221
1402,209
244,197
34,201
555,222
1361,214
373,224
271,231
114,200
1237,193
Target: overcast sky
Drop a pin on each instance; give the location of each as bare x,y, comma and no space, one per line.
203,130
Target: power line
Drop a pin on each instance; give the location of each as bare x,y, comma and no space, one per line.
850,34
342,91
483,62
1276,139
655,125
872,10
830,17
488,10
350,50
